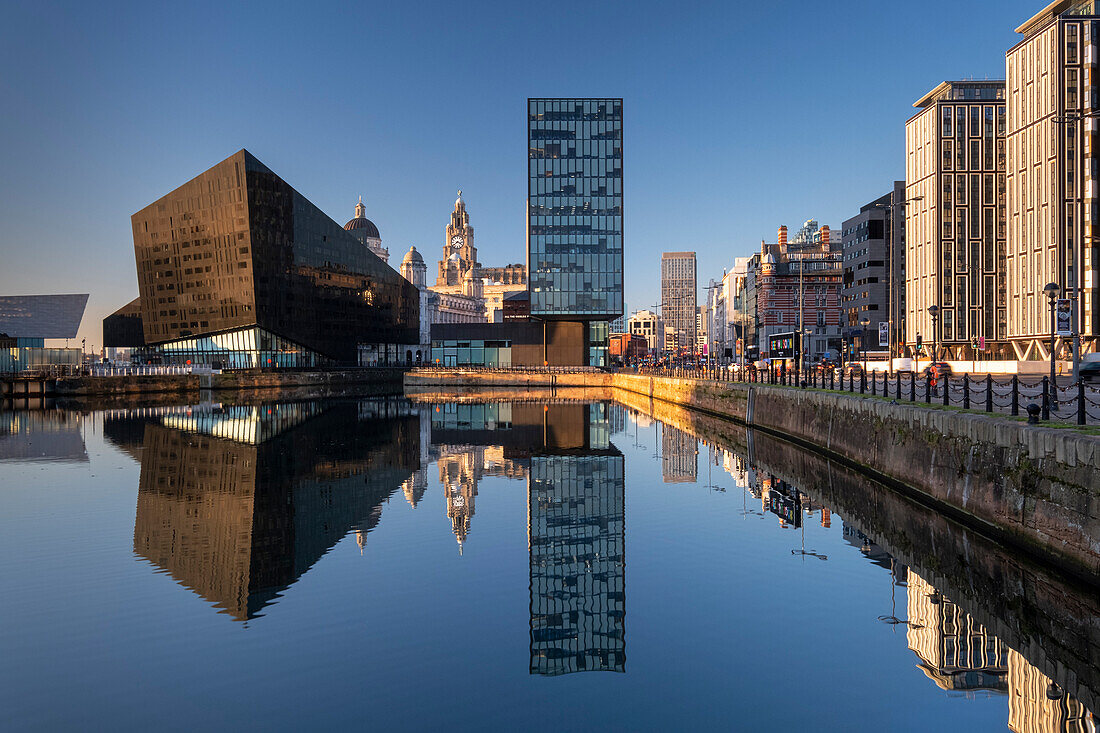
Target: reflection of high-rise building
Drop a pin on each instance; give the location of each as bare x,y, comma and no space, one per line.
240,520
576,520
956,652
680,454
1037,705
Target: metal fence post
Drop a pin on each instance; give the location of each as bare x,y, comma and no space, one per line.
1015,395
989,393
966,391
928,389
946,391
1046,398
1080,401
912,386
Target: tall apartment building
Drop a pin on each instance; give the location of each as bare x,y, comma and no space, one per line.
1052,170
955,223
678,298
874,272
575,215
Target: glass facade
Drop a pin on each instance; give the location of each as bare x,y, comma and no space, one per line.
472,352
237,248
248,348
575,208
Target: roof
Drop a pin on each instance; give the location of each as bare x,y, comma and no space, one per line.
944,89
1049,13
361,222
42,316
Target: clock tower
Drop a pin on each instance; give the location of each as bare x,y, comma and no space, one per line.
459,253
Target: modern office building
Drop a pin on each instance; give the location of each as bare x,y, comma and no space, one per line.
575,215
26,321
955,223
237,269
873,275
1053,166
679,287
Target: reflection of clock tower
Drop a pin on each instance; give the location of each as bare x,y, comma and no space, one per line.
459,253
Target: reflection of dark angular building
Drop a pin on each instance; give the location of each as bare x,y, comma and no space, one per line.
238,520
237,267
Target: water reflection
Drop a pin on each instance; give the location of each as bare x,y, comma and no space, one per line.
575,517
47,435
954,650
237,503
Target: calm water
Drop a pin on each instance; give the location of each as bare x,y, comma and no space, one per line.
404,565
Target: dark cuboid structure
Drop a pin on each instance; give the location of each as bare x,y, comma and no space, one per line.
238,269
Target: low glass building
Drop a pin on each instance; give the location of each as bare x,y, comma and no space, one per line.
236,269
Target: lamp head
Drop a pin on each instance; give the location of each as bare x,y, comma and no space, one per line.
1052,290
933,310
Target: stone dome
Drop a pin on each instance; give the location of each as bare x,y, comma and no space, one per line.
362,222
412,257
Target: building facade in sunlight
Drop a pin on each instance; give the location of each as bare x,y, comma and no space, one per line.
1053,167
955,227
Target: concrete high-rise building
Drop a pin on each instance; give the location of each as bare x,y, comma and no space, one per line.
1053,165
679,286
955,223
575,214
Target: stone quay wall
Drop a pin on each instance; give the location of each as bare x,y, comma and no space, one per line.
1033,487
243,380
475,379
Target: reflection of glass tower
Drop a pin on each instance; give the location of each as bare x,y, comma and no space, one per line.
576,537
577,546
239,520
679,464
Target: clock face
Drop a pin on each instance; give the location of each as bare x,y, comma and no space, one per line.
456,241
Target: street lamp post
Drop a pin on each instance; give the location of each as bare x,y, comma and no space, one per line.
864,323
934,311
1052,291
893,312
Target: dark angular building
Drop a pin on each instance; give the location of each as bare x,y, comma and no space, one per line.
575,214
237,268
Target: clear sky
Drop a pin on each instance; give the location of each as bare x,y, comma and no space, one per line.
739,117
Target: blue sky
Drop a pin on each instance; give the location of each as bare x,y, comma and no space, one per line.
739,117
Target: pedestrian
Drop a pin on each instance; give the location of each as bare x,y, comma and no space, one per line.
933,379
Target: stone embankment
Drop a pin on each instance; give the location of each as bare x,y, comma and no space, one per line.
477,379
1050,618
244,380
1034,487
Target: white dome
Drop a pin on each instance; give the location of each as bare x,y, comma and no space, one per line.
412,256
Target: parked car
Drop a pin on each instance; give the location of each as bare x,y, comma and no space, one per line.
1090,369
